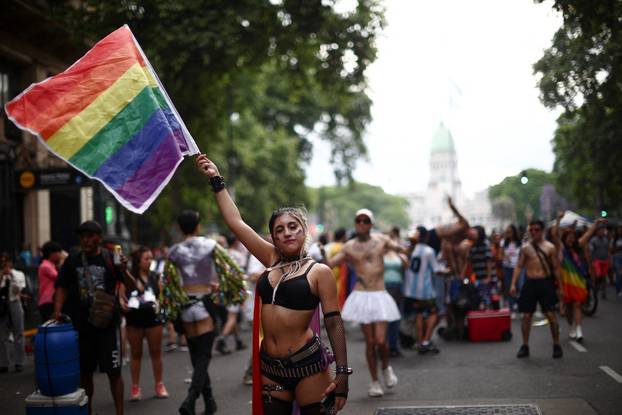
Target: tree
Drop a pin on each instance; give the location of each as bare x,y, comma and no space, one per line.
526,197
251,80
582,73
504,210
335,206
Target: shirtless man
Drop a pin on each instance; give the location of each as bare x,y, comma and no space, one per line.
538,258
454,243
370,304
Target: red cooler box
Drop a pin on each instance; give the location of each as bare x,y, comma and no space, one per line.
489,325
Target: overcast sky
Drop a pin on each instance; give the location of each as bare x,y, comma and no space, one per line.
486,48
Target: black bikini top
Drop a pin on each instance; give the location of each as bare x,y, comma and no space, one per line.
294,293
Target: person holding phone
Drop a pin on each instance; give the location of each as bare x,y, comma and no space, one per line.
292,360
143,321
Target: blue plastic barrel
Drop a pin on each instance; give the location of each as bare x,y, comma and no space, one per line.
57,364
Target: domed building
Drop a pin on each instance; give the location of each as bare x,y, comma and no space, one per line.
430,208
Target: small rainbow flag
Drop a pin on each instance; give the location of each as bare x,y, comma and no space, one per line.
109,116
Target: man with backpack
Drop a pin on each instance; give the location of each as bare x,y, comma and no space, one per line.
538,258
86,291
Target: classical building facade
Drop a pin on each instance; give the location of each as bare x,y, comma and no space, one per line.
430,208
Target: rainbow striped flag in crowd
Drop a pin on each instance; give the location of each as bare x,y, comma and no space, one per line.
109,116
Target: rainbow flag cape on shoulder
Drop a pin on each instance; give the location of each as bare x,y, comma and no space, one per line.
109,116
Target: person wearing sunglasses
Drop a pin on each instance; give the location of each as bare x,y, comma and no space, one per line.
370,304
539,259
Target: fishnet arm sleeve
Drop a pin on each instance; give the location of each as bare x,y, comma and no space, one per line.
337,338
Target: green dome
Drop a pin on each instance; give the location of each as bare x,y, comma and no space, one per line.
442,142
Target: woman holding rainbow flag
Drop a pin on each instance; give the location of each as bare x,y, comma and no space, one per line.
574,272
291,364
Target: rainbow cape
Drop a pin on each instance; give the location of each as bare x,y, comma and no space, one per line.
574,284
109,116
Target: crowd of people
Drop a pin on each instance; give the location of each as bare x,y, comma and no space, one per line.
399,290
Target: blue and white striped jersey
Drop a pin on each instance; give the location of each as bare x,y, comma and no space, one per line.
418,282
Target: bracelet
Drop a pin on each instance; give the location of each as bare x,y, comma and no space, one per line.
343,370
218,183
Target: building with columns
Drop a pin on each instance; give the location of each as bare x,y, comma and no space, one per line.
430,208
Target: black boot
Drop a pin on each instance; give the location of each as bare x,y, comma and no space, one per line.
188,405
210,403
200,355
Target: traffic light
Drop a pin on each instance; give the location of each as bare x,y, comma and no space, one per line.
523,177
603,213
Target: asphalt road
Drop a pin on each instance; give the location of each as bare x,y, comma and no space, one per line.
582,382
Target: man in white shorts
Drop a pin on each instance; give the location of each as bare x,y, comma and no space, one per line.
370,304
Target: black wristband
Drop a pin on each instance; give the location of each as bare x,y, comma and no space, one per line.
332,314
343,370
218,183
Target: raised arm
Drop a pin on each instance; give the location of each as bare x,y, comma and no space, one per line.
583,241
263,250
556,231
453,230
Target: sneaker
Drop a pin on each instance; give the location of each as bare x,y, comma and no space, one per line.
160,390
523,351
239,345
432,348
395,353
135,394
579,334
170,347
572,334
421,348
182,348
557,351
375,390
221,346
247,379
390,380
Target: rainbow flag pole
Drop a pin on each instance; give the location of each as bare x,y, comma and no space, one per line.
109,116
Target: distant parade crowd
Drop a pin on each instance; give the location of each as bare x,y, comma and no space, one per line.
400,287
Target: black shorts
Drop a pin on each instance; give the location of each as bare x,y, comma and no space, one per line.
100,348
306,361
413,306
535,291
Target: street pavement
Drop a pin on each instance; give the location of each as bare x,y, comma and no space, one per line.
462,373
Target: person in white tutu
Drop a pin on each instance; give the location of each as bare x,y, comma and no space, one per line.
370,304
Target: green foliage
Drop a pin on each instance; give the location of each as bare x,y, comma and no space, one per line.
581,73
251,80
336,206
526,197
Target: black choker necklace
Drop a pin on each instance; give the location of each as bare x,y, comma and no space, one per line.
286,258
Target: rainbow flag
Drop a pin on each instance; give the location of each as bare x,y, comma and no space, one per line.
574,284
109,116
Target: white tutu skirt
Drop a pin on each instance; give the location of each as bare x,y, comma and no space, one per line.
366,307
